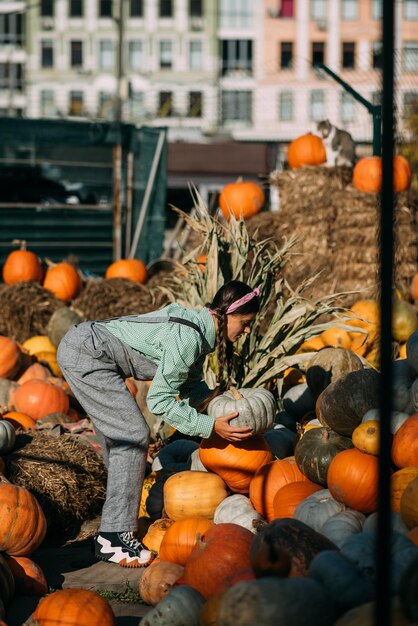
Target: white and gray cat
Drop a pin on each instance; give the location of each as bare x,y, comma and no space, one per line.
339,144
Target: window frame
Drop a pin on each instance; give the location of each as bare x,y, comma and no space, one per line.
351,53
73,51
282,116
282,52
44,50
199,100
76,8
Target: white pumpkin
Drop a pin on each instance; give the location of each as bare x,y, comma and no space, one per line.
317,508
397,418
256,408
237,509
7,437
340,526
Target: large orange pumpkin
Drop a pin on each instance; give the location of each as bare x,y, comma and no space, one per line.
22,265
405,443
40,397
74,607
180,538
133,269
399,482
306,150
288,498
235,462
23,523
10,357
241,198
268,480
28,576
63,280
193,494
353,480
367,174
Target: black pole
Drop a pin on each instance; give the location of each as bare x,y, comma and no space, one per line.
384,530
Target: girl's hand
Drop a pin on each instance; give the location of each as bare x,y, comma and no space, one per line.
231,433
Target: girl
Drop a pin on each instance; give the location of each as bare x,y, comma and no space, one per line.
168,346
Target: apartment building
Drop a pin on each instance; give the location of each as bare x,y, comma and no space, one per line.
12,58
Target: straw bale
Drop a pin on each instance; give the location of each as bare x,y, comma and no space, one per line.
25,309
67,476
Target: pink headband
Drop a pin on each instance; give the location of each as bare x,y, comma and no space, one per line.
238,303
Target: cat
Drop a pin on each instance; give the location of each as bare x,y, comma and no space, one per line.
339,144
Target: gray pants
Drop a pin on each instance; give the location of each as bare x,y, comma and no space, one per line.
95,364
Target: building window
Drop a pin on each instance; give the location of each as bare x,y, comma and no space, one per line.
195,106
286,55
11,76
11,28
106,54
166,54
237,107
236,14
136,105
136,57
377,9
195,55
318,52
237,57
410,103
76,53
377,55
410,56
319,9
410,9
76,103
47,53
166,8
47,103
105,8
136,8
286,106
196,8
47,8
106,106
348,107
76,8
317,105
165,104
349,10
348,55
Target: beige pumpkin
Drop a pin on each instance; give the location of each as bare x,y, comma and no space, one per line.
366,437
157,580
193,494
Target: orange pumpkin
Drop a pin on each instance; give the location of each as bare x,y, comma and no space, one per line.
399,482
156,532
40,397
156,582
367,174
34,371
28,576
20,420
22,265
306,150
336,338
311,345
133,269
235,462
241,198
268,480
74,607
180,538
409,504
10,357
193,494
288,498
23,523
63,280
352,479
405,443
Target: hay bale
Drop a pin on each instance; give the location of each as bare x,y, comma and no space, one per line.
25,309
67,476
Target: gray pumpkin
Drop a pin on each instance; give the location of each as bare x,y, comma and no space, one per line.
256,408
7,437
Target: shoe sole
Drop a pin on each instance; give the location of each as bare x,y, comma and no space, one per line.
123,563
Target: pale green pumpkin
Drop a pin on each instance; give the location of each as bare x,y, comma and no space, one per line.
256,408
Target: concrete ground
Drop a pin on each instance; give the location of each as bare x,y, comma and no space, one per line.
74,566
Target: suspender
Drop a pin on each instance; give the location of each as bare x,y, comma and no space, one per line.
157,320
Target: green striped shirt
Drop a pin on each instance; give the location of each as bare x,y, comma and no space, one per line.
179,352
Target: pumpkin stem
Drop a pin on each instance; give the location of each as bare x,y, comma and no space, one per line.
19,242
235,393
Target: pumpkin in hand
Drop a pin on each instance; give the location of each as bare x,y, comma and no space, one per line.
256,408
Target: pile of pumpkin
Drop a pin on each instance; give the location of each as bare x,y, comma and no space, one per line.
280,529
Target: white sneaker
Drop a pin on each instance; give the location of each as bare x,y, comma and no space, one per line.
123,549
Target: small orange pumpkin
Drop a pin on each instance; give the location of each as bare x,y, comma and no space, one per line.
20,420
336,338
311,345
352,479
10,357
63,280
133,269
367,174
244,198
306,150
22,265
156,532
40,397
288,498
180,538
